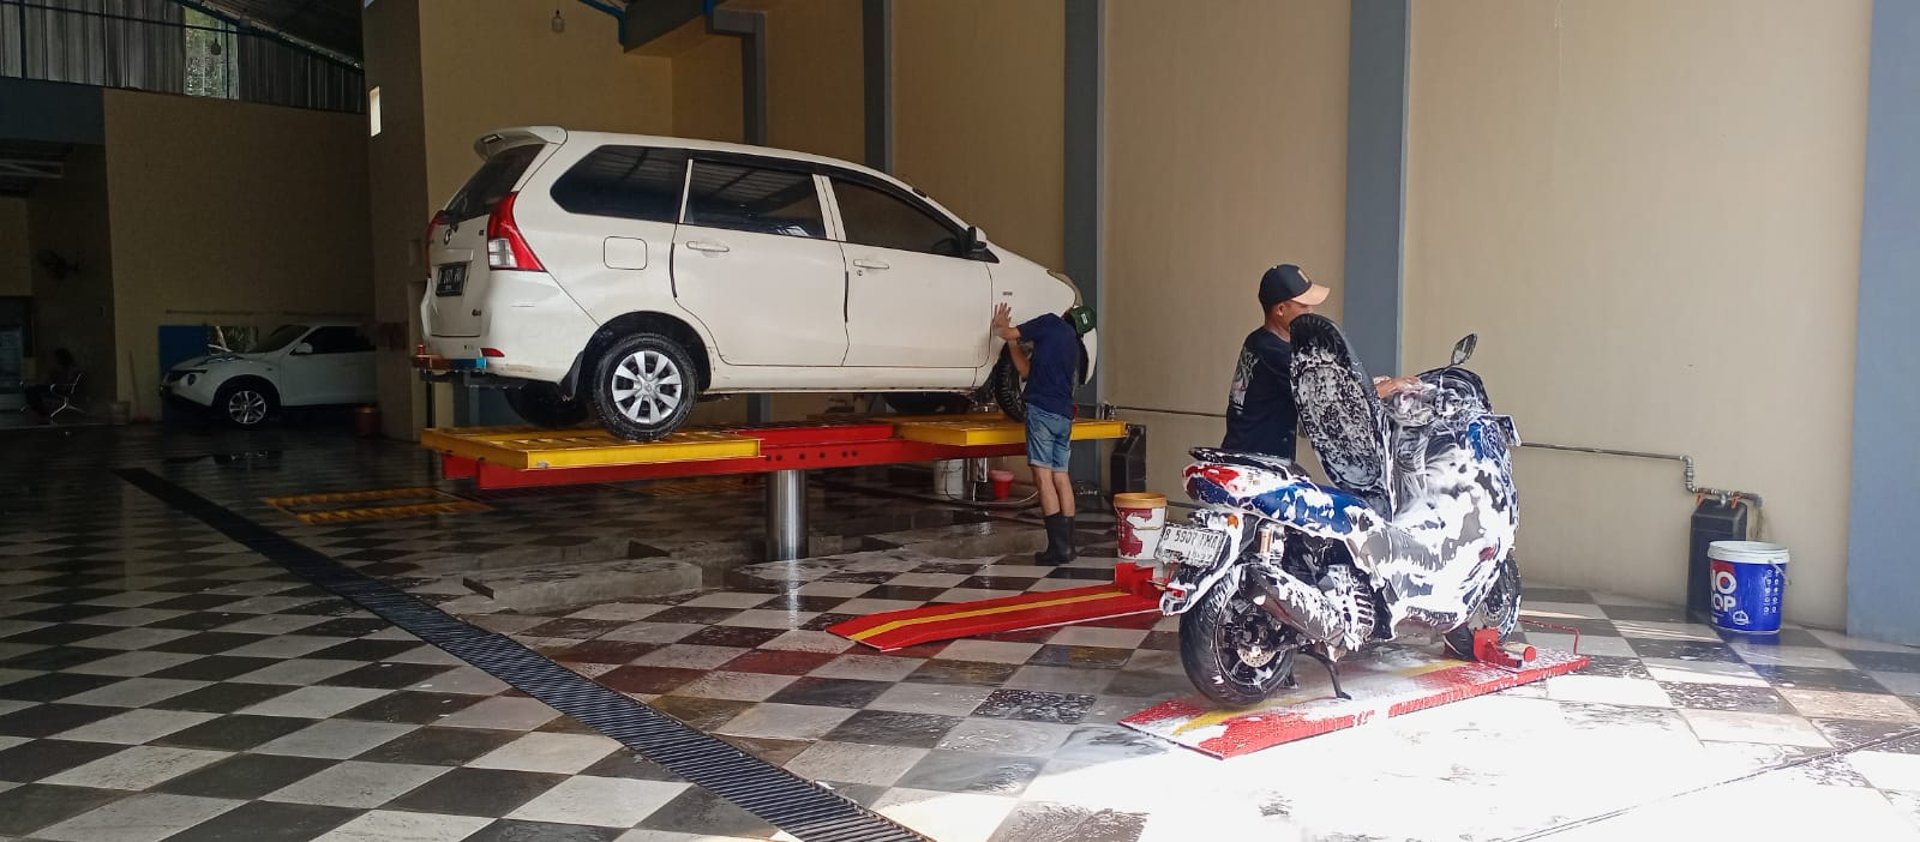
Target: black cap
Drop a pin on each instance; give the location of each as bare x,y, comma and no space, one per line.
1285,282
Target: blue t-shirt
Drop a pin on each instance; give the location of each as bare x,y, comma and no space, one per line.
1052,364
1261,416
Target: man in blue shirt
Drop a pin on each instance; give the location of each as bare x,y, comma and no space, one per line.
1049,397
1261,415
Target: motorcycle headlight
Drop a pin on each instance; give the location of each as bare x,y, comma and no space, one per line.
192,378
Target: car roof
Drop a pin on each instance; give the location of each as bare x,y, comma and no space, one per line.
550,133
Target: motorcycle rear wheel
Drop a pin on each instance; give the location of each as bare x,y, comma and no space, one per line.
1499,610
1210,650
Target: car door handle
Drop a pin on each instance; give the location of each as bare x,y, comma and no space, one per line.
708,246
867,263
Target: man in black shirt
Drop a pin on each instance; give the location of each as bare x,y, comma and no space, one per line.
1261,414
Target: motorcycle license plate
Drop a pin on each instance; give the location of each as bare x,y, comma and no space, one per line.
1187,545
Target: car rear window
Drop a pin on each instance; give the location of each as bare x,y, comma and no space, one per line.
631,182
491,183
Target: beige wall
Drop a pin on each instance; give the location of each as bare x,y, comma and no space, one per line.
977,112
1650,210
815,78
526,74
706,90
229,213
1226,154
16,256
68,216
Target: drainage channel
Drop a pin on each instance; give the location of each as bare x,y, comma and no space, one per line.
774,795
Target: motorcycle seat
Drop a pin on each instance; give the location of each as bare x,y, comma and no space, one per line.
1292,496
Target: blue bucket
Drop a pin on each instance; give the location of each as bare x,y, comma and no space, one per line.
1748,581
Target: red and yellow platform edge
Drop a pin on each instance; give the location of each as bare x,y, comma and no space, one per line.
1399,681
528,448
1131,592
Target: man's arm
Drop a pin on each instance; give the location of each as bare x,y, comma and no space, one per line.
1003,328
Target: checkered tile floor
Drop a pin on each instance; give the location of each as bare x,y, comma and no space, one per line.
158,682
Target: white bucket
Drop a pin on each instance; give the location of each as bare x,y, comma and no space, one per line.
950,478
1747,581
1140,518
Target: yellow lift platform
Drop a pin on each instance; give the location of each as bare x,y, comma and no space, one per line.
524,456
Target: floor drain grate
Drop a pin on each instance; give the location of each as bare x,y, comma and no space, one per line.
390,504
775,795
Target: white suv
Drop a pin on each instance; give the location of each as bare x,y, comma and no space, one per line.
627,276
298,365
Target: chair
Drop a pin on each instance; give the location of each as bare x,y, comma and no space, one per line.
66,393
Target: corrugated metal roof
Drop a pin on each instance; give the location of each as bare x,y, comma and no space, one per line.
333,24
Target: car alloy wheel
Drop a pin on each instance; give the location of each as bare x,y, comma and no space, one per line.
246,407
648,387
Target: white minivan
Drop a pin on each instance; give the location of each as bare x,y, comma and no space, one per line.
627,276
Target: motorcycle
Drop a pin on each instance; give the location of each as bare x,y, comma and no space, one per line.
1413,536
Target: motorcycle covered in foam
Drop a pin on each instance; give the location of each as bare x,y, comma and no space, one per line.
1411,537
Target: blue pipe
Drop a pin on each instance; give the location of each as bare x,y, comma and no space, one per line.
618,14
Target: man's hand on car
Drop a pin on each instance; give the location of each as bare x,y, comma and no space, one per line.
1003,323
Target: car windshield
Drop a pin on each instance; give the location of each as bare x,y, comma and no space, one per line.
280,338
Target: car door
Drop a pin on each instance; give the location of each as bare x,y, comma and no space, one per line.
333,364
912,301
751,261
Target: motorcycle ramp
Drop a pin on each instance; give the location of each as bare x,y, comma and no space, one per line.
1385,684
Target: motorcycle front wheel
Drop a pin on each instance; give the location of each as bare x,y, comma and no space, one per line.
1500,610
1232,651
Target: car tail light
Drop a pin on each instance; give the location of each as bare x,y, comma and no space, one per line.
491,352
506,249
426,243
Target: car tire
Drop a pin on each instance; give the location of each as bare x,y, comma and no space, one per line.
245,403
927,403
540,403
1004,384
644,386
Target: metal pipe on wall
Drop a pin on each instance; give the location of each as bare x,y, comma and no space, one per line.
1685,461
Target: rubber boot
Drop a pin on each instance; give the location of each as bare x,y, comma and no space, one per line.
1066,538
1054,553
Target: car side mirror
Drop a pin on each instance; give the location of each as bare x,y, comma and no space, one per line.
1463,350
976,241
303,349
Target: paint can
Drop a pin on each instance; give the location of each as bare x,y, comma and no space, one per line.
1748,582
1139,517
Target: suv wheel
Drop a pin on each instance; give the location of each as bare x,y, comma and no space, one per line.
541,404
245,404
1004,383
644,386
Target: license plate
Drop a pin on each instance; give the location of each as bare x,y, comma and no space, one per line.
452,281
1187,545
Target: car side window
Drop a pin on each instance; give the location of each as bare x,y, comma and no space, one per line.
756,199
630,182
874,217
338,340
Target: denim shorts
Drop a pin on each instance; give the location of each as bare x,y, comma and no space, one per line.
1049,438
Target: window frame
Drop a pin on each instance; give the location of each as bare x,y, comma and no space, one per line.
953,227
677,209
695,157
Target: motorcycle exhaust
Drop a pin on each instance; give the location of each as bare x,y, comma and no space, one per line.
1301,606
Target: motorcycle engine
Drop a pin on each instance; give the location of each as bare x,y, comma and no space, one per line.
1354,603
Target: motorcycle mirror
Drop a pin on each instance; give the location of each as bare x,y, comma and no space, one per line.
1463,349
